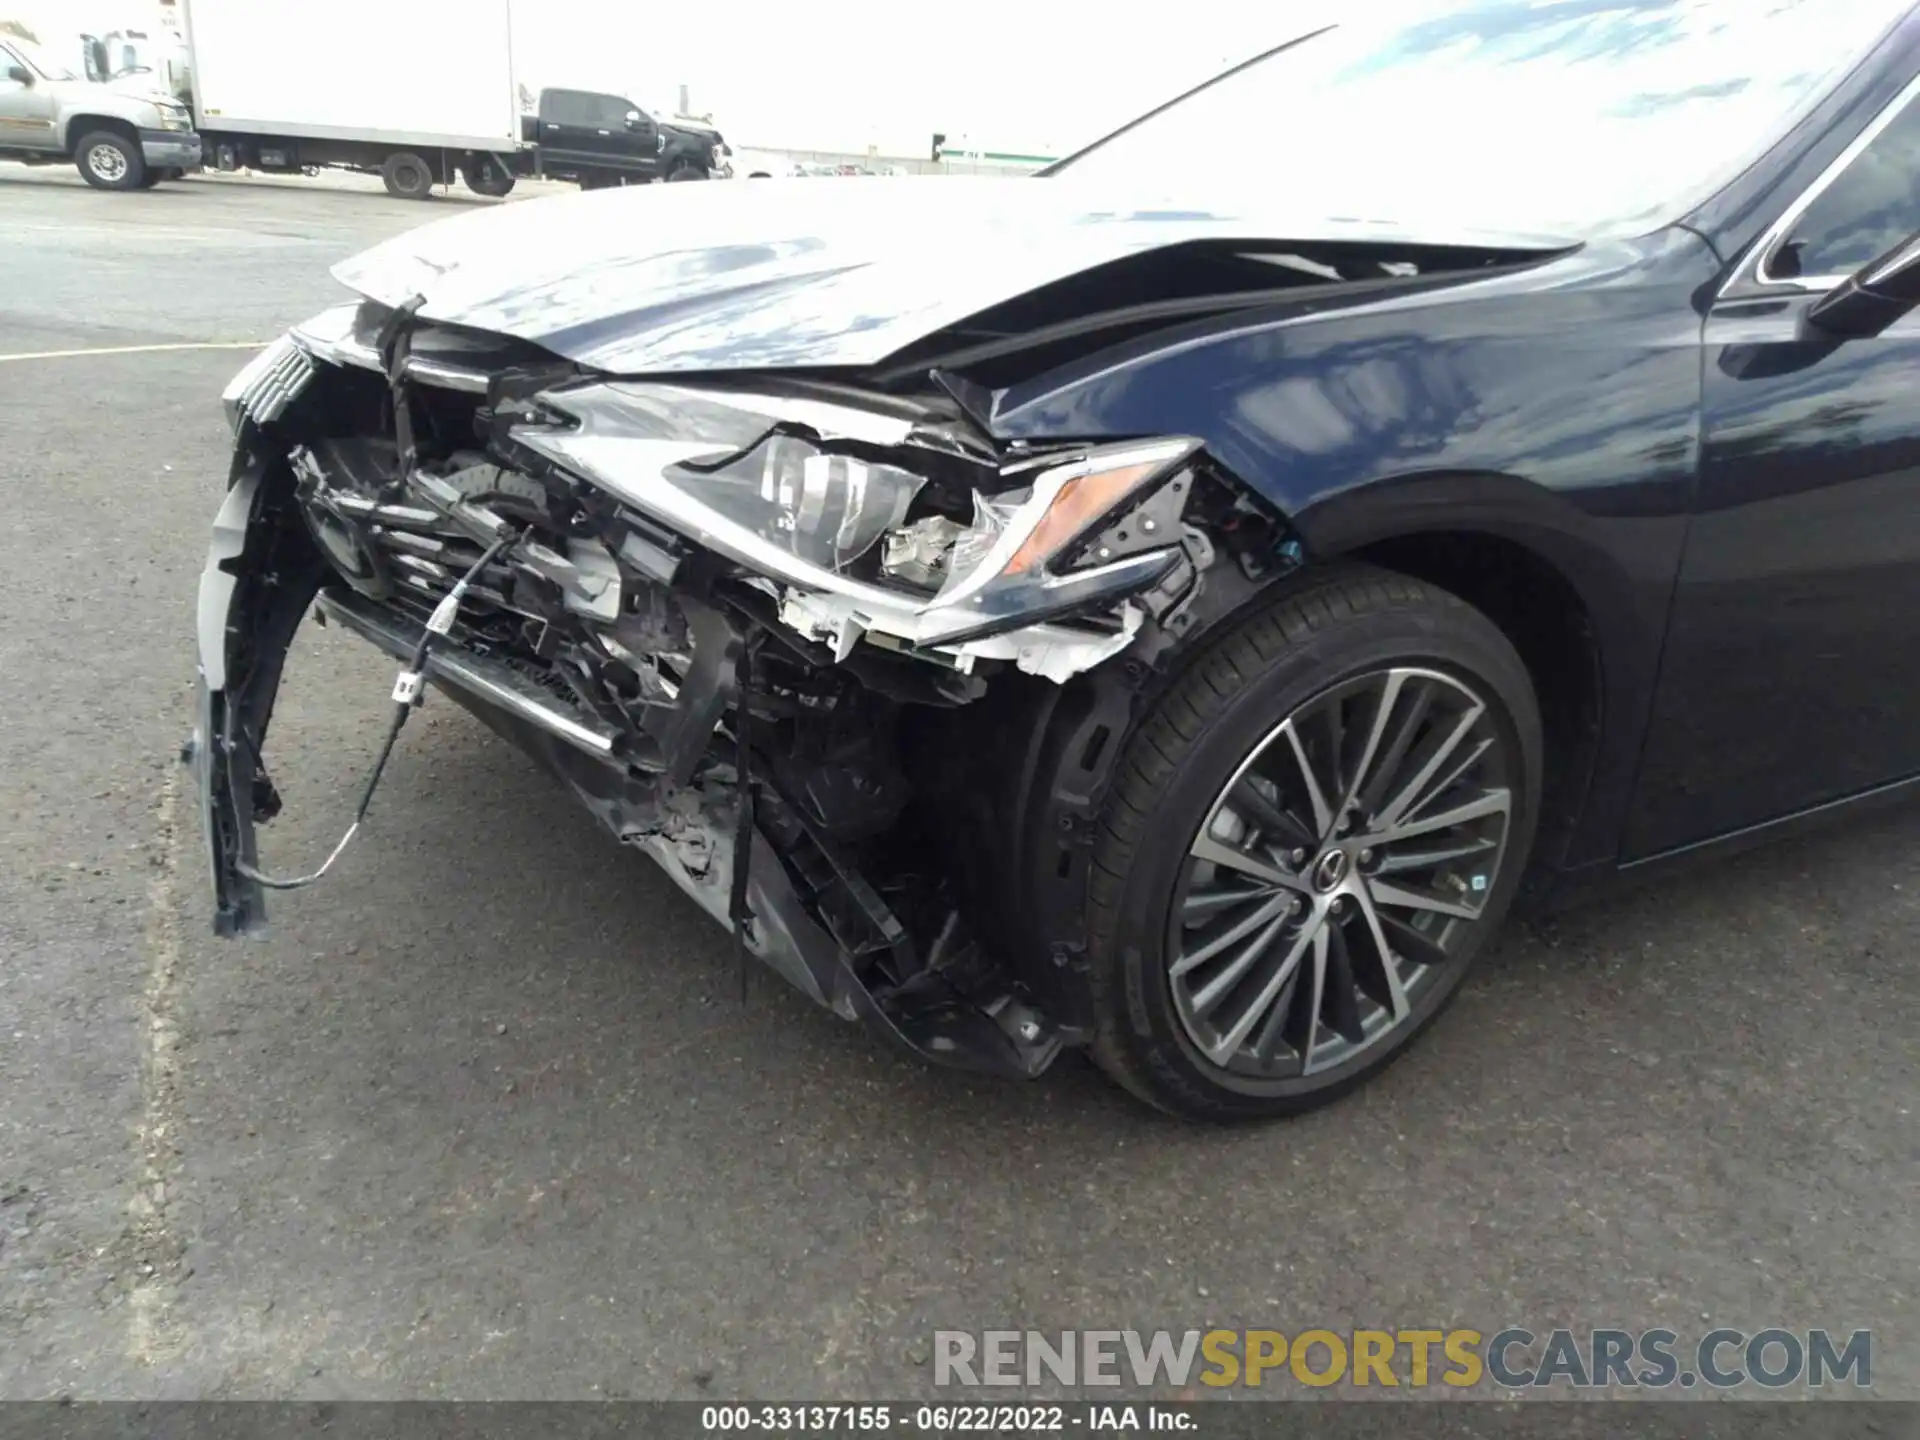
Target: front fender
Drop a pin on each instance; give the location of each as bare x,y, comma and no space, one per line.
1557,408
71,125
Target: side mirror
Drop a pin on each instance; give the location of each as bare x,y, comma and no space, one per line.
1872,298
635,119
20,74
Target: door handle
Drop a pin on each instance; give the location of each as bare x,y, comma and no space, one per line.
606,132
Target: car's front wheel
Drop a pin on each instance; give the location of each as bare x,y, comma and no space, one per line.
108,160
1310,838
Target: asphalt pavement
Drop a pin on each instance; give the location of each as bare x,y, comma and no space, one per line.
483,1116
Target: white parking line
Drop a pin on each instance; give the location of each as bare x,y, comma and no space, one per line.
136,350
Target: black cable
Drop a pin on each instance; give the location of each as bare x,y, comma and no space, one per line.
407,692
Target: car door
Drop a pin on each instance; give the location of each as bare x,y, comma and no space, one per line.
568,120
26,106
627,138
1791,676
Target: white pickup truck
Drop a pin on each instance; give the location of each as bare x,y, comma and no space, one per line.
122,137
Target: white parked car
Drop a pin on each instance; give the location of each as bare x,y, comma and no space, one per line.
761,165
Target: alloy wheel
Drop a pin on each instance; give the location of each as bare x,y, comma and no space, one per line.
108,162
1338,873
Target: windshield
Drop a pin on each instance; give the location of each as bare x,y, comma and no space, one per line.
1549,117
45,64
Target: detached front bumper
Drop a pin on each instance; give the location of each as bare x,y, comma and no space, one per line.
255,590
813,918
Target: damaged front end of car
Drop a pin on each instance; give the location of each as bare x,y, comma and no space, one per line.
824,653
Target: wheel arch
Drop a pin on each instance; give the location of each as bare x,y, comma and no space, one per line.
1523,556
81,126
1534,563
1542,612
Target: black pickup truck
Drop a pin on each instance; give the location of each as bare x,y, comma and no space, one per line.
601,140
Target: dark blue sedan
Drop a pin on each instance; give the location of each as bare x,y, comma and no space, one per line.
1169,606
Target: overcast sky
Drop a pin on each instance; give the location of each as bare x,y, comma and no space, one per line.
1013,73
845,74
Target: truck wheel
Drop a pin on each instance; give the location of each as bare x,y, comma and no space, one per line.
486,177
108,160
687,172
407,176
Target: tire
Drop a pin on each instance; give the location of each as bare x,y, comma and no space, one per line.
1346,646
687,172
407,176
108,160
486,177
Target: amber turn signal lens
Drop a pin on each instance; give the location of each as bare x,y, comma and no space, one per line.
1081,502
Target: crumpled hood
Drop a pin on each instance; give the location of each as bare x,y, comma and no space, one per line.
787,273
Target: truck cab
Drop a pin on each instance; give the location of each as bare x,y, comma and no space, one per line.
594,138
119,139
600,139
121,57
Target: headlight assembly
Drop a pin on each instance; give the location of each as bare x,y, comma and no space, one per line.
797,489
747,462
831,498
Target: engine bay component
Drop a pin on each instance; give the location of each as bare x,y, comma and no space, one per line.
921,554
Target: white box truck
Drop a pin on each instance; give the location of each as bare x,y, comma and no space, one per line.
419,92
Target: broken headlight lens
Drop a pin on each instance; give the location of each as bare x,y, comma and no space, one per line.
747,473
1019,538
826,509
769,481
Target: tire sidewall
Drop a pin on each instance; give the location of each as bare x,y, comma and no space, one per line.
1450,638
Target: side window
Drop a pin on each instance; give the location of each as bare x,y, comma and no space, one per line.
1871,207
613,111
568,107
